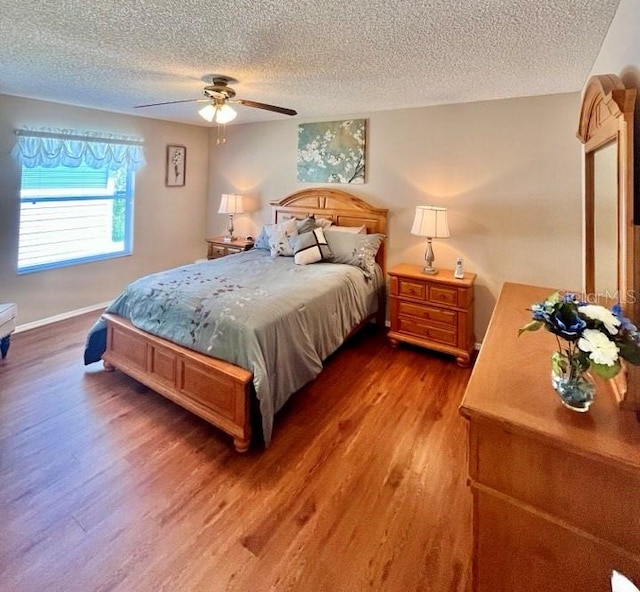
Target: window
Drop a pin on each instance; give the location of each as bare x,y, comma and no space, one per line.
76,200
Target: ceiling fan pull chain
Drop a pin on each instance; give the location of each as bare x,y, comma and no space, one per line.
221,137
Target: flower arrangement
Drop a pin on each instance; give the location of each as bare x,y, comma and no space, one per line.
596,338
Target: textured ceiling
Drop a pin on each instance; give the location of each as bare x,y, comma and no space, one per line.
322,58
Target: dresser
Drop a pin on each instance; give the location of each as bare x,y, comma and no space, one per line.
432,311
556,494
217,247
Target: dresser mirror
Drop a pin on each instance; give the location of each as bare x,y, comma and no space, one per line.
611,267
604,272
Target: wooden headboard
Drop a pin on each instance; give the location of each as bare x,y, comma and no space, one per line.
341,207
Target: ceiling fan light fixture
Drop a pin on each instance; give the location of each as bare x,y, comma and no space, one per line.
225,114
217,95
208,113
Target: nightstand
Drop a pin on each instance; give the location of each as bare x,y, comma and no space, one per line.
217,247
432,311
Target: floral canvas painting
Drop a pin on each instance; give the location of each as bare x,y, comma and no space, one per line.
176,166
332,152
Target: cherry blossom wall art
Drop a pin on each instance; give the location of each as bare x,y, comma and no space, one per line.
332,151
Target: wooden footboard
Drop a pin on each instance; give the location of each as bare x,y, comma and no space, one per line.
212,389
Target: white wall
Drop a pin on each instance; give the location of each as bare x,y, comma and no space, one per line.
620,54
169,225
508,171
620,51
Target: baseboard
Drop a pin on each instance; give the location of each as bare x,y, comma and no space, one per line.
60,317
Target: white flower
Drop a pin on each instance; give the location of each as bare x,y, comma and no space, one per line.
600,313
600,348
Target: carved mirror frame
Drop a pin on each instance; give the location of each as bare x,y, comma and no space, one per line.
606,116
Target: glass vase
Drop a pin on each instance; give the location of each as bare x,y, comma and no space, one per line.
574,384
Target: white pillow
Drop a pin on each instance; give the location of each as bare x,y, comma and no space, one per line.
310,247
278,237
353,229
323,223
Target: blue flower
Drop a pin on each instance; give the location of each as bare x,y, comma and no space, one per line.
625,323
566,323
538,311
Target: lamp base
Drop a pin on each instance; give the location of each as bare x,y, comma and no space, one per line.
429,258
228,238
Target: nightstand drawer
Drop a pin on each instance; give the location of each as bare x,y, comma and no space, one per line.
418,290
422,329
443,295
218,247
411,289
427,313
215,252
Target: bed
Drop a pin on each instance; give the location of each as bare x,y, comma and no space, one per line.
271,320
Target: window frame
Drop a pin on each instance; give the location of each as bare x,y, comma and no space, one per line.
127,194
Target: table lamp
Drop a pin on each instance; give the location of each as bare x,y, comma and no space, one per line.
231,204
430,221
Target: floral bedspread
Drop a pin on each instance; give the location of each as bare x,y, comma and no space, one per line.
274,318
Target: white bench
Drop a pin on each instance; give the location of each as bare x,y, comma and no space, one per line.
8,313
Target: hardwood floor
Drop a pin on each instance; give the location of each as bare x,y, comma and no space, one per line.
105,485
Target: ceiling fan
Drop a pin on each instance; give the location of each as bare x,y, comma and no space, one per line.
218,95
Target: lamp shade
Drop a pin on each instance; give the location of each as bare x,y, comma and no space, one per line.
430,221
230,203
208,112
222,113
225,114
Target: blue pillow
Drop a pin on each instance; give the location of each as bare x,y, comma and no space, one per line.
262,241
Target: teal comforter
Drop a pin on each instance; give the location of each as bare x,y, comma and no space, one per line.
274,318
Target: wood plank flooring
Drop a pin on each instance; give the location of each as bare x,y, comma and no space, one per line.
105,485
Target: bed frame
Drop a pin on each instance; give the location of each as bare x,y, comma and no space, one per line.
213,389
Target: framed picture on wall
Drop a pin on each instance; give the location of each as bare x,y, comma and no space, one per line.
332,151
176,165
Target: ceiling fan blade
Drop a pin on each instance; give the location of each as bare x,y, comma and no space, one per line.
173,103
282,110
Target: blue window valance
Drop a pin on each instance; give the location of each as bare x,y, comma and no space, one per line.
56,147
